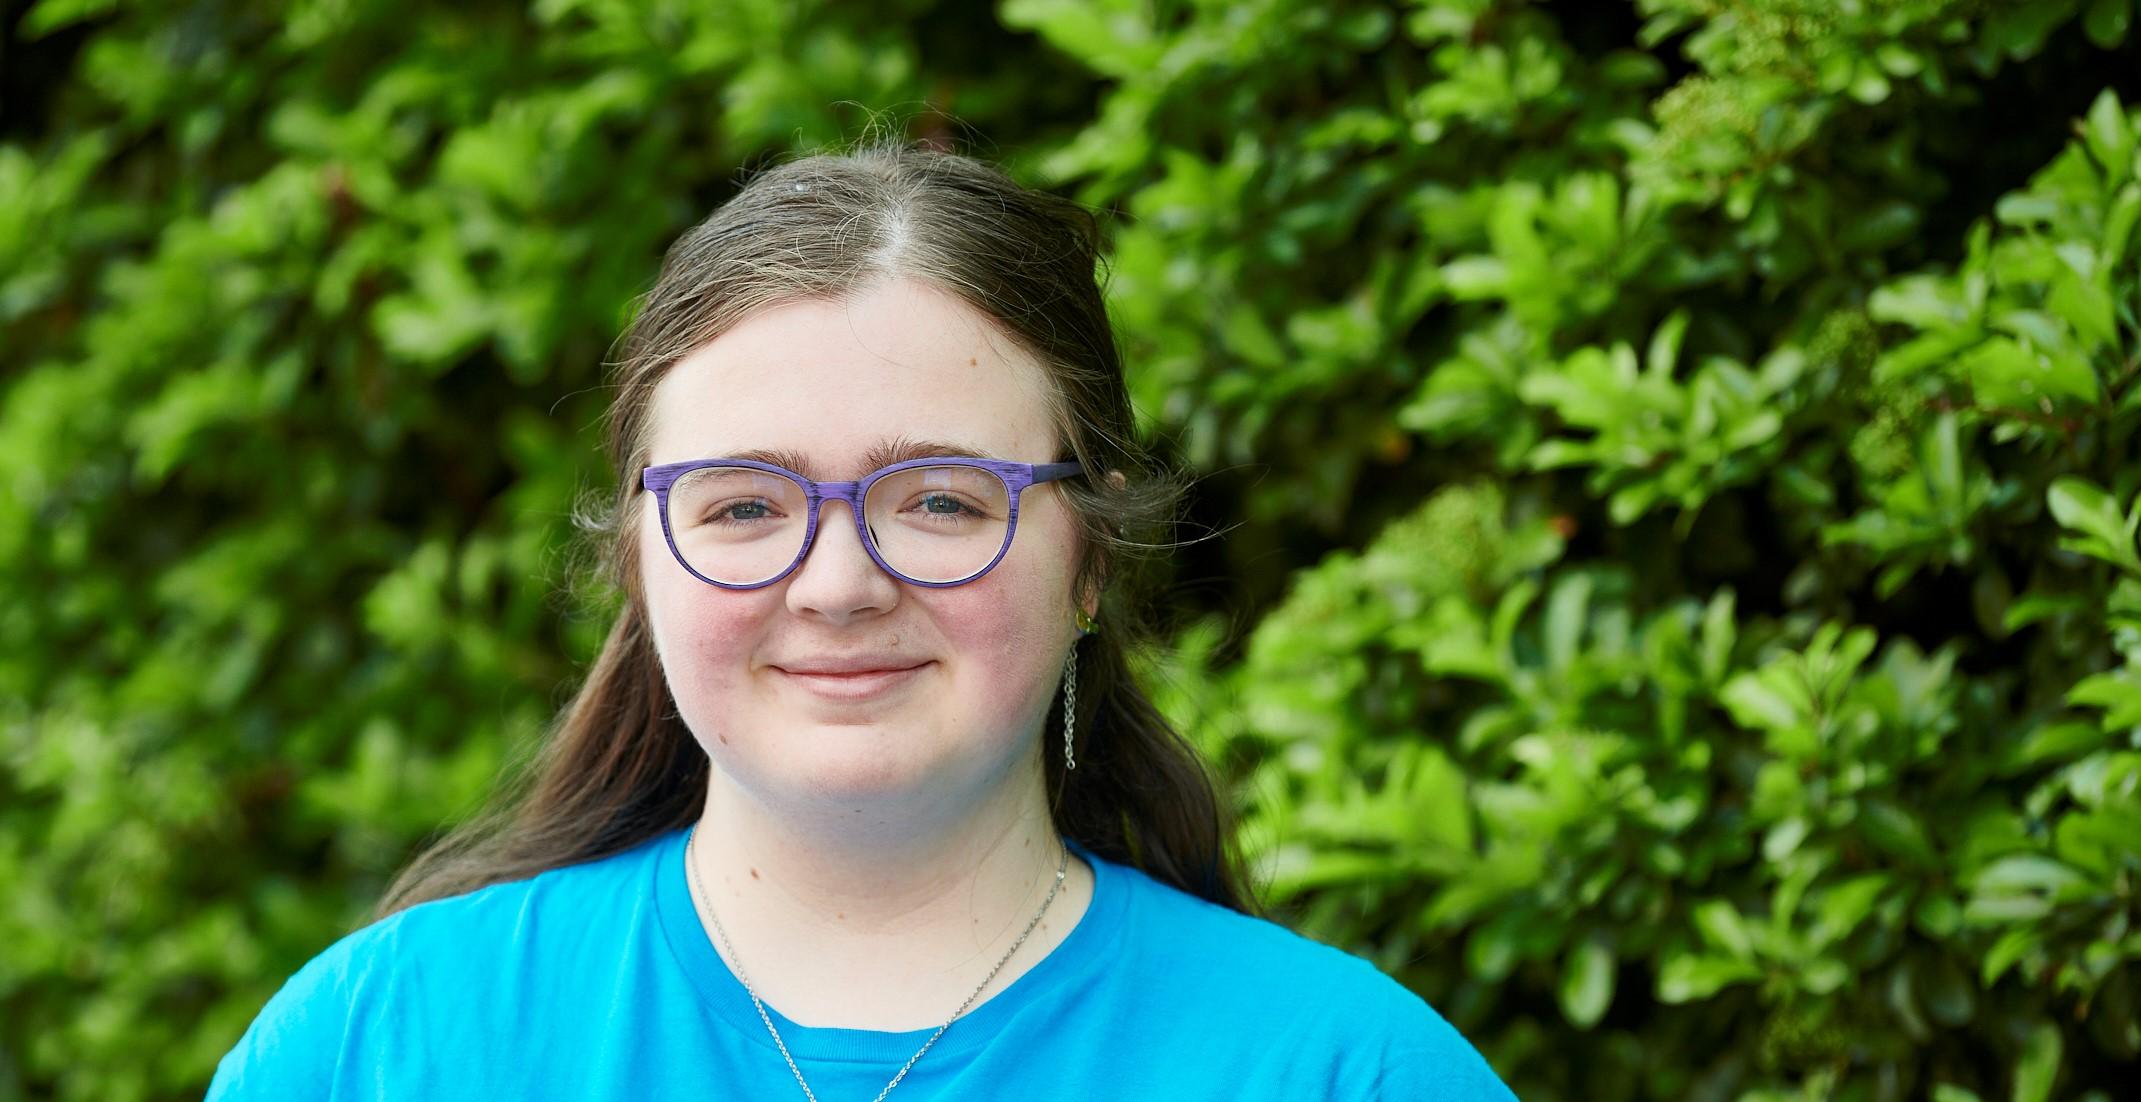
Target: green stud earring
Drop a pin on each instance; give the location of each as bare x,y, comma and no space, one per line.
1086,624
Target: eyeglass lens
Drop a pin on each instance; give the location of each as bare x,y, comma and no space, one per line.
742,526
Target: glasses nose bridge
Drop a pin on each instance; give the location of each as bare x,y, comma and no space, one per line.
825,493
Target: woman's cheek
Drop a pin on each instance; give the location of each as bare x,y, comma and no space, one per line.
1007,654
703,639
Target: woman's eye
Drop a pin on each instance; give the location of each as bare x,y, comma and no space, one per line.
740,511
943,505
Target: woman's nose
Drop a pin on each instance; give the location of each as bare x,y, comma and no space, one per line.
838,580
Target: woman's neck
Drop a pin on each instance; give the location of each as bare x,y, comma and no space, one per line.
876,924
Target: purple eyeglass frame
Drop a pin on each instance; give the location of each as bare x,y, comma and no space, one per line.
1016,478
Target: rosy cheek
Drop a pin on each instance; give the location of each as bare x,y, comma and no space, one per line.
999,637
713,631
703,633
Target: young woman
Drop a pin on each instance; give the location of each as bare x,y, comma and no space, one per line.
859,796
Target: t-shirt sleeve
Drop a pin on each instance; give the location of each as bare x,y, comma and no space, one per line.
1424,1059
294,1047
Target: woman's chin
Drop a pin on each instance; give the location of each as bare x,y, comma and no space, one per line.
850,766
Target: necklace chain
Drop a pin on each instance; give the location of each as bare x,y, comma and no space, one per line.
691,872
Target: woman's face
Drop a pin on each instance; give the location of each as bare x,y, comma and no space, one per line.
835,384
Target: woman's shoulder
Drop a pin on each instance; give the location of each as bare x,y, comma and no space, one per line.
1195,931
425,957
552,914
1227,963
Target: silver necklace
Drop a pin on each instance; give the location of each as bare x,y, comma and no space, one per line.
691,873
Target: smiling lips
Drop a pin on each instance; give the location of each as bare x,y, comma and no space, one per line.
858,679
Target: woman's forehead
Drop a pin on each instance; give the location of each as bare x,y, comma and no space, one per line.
894,373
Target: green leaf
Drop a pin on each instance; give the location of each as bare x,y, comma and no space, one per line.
2053,742
52,15
1823,975
2012,374
2119,224
1475,277
2107,22
2038,1067
1870,85
1566,608
1844,907
1924,302
2109,135
2118,692
1249,337
1782,840
2033,607
1718,636
2026,879
1897,832
1587,983
2080,506
1110,38
2100,841
1690,977
1763,703
1880,227
1723,928
1665,345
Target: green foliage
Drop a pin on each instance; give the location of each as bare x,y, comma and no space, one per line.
1687,563
304,316
1753,711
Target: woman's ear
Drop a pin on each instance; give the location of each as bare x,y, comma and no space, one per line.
1090,601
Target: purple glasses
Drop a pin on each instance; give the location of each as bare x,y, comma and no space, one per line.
940,521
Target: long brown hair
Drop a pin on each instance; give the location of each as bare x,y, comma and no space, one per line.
619,766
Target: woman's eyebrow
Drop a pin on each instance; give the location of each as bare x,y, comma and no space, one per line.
882,454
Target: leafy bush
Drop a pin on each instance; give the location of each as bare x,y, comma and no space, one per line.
1725,683
1684,616
304,315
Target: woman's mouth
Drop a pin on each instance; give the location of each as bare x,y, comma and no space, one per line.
848,685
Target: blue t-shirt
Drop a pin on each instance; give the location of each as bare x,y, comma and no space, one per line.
598,982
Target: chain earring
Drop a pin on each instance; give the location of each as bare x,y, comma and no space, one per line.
1086,626
1070,707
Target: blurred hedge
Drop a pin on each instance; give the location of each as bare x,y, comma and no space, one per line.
1683,613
